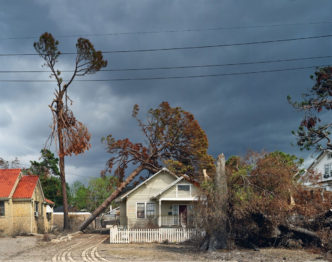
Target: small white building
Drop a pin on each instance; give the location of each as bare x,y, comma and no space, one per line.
162,200
322,167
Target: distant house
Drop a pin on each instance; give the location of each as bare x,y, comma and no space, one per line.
322,167
23,206
162,200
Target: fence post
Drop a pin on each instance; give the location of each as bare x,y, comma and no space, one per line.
113,233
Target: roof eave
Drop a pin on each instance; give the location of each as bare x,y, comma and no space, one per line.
145,181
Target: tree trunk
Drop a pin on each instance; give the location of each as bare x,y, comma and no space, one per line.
62,165
64,193
109,200
218,237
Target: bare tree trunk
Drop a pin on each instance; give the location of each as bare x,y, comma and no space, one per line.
64,193
217,235
109,200
62,166
221,179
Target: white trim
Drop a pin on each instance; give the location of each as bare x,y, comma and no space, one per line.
144,182
176,191
144,210
145,204
155,209
168,187
319,158
159,214
184,191
179,199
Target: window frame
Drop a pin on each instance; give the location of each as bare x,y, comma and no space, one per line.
154,210
2,208
184,185
144,211
36,209
182,191
327,171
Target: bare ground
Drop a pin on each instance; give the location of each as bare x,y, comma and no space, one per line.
95,247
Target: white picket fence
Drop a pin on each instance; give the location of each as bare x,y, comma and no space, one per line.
174,235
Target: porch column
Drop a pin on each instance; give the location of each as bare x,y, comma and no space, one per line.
159,215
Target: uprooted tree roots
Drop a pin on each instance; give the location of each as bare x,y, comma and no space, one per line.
295,232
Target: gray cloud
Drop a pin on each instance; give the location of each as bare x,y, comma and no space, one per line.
237,112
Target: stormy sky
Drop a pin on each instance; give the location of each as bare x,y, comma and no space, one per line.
239,106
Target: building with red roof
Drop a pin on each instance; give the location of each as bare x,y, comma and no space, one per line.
23,206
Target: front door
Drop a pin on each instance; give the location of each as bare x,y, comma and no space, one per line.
183,215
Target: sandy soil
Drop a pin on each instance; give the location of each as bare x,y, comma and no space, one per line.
95,247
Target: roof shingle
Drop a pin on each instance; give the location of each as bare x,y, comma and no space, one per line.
25,187
8,178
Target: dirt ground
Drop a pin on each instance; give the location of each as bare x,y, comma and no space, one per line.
95,247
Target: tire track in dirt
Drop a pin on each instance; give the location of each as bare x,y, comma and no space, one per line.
67,254
91,254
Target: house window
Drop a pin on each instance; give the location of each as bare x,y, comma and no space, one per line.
140,210
184,188
175,212
327,170
36,208
2,208
150,210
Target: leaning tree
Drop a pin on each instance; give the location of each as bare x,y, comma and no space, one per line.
315,128
173,138
71,136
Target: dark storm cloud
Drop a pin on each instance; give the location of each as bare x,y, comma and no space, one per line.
237,112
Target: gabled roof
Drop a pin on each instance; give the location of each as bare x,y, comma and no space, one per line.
144,182
8,179
168,187
25,187
319,158
49,201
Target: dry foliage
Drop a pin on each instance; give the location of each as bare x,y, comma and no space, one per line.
264,194
173,138
71,136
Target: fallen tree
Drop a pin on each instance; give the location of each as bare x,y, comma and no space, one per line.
265,206
269,207
173,138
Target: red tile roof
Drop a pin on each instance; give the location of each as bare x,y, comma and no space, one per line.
49,201
8,178
25,187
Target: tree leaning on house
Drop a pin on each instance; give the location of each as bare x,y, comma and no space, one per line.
173,137
71,136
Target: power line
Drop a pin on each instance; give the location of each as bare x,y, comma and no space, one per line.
190,47
179,67
174,30
167,77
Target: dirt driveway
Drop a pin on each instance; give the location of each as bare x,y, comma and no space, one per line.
95,247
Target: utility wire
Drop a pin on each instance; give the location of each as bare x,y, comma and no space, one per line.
174,30
180,67
189,47
167,77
